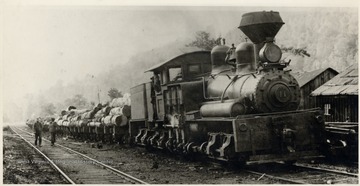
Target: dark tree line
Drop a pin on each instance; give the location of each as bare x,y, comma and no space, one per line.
296,51
204,41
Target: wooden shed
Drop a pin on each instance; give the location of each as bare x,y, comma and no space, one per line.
309,81
339,96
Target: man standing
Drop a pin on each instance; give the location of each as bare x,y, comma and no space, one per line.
52,129
38,126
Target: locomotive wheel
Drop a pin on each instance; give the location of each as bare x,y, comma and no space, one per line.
188,148
169,145
180,148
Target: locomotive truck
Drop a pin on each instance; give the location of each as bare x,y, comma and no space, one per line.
232,104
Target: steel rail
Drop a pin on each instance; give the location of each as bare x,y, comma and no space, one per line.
47,158
300,166
274,177
98,162
326,170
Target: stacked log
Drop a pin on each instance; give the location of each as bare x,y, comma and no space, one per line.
124,110
106,110
59,120
118,115
78,111
74,120
120,102
106,120
94,124
63,112
111,120
95,110
83,122
65,123
119,120
98,116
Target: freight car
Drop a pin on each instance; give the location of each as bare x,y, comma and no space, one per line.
231,104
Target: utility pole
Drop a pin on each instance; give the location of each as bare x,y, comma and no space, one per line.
98,94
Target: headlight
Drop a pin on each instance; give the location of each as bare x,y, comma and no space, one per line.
270,53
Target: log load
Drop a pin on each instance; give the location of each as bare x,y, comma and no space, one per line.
98,116
94,124
125,110
118,120
120,102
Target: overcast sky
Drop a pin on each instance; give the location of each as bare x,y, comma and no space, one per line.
46,44
43,44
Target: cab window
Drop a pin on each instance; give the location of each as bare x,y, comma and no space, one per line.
175,74
194,69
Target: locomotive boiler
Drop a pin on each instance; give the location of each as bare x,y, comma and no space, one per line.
233,104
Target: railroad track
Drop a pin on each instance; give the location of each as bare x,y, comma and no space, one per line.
75,167
301,174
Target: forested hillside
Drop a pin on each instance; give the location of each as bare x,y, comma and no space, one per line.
329,36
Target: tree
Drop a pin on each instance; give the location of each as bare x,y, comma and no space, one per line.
114,93
296,51
203,41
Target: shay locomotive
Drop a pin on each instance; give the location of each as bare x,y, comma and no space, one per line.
232,104
240,107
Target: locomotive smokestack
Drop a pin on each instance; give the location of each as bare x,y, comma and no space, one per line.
260,26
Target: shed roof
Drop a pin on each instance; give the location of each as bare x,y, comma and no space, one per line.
306,77
345,83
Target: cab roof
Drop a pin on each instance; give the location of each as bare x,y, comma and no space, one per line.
178,60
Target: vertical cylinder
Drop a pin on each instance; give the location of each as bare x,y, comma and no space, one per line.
245,57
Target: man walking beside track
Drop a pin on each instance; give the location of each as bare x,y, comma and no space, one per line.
38,127
52,129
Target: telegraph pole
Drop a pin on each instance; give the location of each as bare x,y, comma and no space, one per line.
98,94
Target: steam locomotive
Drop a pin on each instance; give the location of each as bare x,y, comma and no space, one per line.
230,104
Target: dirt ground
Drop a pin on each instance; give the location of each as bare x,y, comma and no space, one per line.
159,167
22,165
162,168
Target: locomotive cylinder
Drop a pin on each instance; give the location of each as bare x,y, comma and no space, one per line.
245,58
218,55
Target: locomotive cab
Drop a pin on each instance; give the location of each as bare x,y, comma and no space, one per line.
176,88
